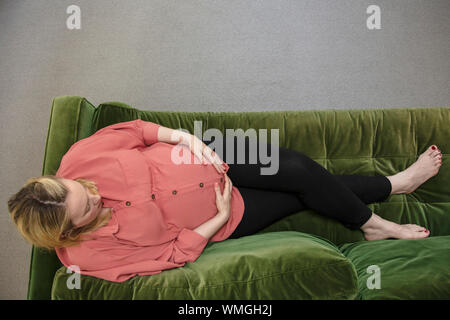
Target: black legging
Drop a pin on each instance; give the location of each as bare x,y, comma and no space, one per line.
300,183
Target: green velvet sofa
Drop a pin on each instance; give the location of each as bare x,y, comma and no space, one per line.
305,255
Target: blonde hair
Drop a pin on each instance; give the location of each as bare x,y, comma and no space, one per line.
41,216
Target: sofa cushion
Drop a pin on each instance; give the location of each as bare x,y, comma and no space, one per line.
276,265
407,269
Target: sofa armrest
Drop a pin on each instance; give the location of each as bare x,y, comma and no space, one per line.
70,120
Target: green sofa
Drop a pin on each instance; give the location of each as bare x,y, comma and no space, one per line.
305,255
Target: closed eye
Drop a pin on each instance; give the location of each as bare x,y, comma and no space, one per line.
88,206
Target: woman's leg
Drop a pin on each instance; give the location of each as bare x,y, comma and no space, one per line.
333,196
317,188
368,189
263,207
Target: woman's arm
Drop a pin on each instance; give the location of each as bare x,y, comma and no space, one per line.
169,135
210,227
197,146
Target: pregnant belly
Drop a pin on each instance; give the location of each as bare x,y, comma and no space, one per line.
190,208
184,192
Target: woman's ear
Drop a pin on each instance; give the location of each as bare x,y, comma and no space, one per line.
64,235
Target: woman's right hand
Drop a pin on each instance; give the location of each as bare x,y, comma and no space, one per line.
223,201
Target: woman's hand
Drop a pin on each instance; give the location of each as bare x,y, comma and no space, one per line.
223,201
204,153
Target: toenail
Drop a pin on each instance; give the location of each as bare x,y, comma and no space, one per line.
433,147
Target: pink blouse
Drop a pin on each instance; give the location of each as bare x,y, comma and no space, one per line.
156,203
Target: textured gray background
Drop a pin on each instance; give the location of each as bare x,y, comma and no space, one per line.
188,55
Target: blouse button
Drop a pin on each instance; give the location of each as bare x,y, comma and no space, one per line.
153,196
201,184
128,203
174,191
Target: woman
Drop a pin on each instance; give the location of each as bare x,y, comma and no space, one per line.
120,206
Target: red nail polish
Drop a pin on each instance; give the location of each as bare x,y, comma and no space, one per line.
433,147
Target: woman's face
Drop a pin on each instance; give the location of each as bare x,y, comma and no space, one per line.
84,206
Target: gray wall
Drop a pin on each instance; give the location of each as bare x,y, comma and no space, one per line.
205,56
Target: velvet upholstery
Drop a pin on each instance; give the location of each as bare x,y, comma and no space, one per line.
274,265
408,269
367,142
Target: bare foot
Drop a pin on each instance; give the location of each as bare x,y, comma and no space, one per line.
420,171
377,228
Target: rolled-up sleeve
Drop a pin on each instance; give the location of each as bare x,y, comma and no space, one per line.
117,262
112,265
145,133
149,131
188,246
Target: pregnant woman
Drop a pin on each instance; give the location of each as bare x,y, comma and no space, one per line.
119,206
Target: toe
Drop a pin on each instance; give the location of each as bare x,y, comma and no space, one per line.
421,235
420,232
415,227
434,153
420,229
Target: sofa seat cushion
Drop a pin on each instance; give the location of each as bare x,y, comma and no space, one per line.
406,269
274,265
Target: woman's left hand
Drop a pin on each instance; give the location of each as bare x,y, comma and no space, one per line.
204,153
